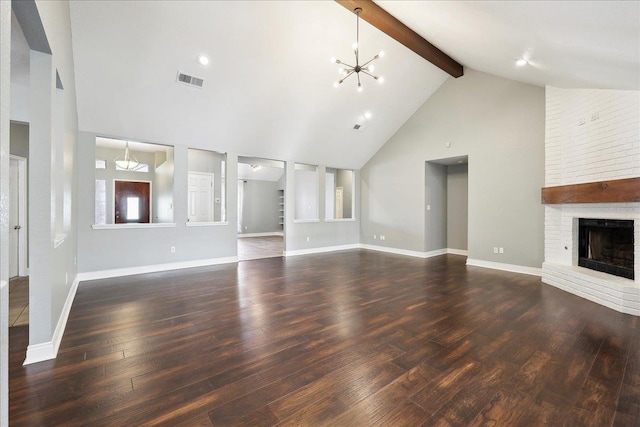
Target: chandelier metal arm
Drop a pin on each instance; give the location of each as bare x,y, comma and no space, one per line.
349,73
347,69
369,74
369,61
346,65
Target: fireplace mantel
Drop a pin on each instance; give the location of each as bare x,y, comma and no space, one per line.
612,191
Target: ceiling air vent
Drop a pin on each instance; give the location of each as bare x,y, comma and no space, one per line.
190,80
359,127
356,126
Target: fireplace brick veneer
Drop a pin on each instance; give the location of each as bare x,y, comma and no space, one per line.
591,135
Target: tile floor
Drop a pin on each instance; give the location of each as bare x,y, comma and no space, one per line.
260,247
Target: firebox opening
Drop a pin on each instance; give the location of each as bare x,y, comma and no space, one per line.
607,245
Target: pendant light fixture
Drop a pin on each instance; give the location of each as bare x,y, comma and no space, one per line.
366,68
128,162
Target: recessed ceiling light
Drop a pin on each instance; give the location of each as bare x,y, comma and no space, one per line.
521,62
367,115
203,59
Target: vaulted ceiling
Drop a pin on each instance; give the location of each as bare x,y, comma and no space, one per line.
268,89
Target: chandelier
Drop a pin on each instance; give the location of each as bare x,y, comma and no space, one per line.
366,68
128,162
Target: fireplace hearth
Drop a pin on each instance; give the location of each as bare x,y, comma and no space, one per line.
607,245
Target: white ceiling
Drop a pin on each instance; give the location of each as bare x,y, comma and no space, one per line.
268,90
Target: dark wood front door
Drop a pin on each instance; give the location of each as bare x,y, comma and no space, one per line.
132,202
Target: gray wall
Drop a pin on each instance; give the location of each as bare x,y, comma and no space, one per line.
162,196
320,232
53,126
121,248
209,162
19,135
5,84
260,210
457,206
306,195
499,124
435,226
344,179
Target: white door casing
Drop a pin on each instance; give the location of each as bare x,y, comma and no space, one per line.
200,197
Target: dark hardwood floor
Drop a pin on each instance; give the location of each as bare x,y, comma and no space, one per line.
353,338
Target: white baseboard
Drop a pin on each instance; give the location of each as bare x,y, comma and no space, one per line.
406,252
321,250
462,252
533,271
269,234
416,254
49,350
154,268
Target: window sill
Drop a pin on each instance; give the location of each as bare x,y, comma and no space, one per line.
125,226
303,221
340,220
206,224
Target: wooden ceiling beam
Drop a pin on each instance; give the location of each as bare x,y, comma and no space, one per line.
388,24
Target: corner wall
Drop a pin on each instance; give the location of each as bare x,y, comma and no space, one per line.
53,126
5,102
499,124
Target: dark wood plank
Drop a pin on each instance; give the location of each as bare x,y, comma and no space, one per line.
391,26
349,338
613,191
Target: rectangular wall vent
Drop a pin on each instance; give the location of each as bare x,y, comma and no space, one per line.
356,126
190,80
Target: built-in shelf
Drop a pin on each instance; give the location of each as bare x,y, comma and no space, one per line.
281,208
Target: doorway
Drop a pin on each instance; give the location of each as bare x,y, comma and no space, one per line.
18,279
17,216
132,202
446,210
261,208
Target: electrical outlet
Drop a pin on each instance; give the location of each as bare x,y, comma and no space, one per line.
66,278
173,249
375,237
75,260
428,207
246,226
501,250
382,237
495,249
308,239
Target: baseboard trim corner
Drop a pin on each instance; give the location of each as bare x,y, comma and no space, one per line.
49,350
320,250
513,268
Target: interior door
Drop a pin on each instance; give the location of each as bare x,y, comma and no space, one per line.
132,202
200,197
14,218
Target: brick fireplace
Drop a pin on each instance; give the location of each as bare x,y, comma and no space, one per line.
592,170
